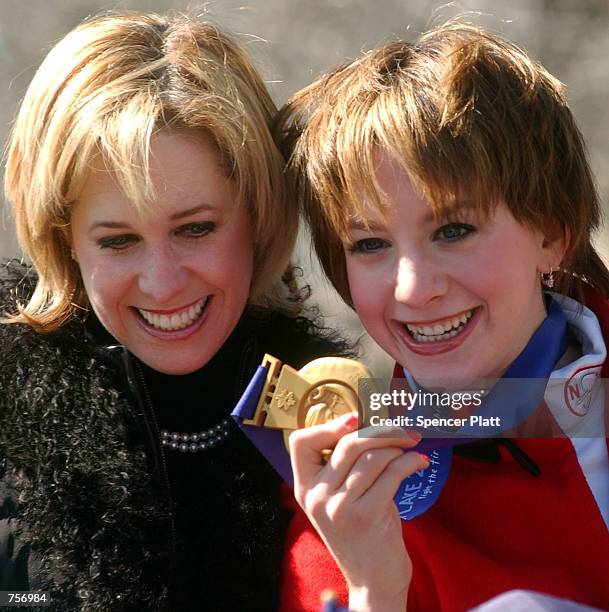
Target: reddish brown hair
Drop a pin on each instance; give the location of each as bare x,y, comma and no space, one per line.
464,112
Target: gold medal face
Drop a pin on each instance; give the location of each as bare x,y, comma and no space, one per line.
319,392
333,391
325,401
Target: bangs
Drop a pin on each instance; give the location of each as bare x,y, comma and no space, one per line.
433,138
122,139
445,167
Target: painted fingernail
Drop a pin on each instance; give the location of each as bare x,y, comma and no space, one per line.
415,436
427,459
351,420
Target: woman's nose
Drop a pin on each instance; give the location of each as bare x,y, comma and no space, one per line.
419,281
163,275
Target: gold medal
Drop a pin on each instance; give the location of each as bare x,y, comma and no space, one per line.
319,392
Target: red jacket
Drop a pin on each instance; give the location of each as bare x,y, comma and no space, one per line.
493,529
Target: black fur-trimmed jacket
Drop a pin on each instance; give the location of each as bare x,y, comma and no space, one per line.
85,510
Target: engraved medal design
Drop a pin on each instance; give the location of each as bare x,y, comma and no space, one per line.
333,390
319,392
280,399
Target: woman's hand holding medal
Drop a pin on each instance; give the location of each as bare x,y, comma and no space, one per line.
349,500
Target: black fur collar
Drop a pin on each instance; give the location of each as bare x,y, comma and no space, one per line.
86,502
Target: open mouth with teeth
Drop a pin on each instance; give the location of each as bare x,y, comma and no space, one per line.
439,330
174,321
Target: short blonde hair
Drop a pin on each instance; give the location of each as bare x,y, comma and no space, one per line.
467,115
106,88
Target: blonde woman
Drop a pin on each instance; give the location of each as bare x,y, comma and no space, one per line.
150,198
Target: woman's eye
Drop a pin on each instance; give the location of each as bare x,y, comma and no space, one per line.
368,245
452,232
196,230
117,243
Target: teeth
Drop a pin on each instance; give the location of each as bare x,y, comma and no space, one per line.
176,320
440,331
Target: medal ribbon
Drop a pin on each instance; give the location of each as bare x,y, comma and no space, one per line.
268,441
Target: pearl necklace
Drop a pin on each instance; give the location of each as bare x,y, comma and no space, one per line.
184,442
199,441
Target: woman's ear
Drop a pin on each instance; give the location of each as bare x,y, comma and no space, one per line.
555,242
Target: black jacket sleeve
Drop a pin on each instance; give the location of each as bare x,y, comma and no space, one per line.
14,555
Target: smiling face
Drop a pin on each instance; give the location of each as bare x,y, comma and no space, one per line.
170,285
453,300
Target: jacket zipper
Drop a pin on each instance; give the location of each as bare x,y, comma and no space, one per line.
159,450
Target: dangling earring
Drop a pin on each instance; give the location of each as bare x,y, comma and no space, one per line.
575,275
548,279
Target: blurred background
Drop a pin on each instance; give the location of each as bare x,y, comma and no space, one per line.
293,41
